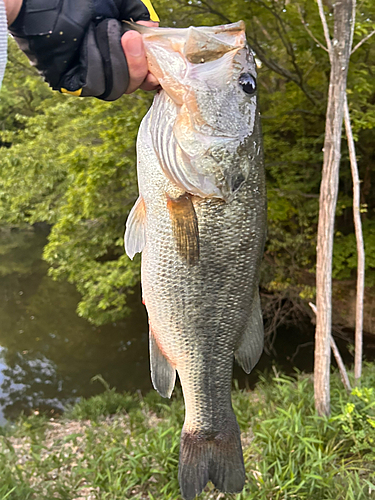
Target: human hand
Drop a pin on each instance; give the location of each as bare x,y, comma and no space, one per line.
78,48
139,75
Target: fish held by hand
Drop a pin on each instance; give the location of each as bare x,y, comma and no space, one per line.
200,223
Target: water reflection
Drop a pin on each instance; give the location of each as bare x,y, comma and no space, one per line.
49,354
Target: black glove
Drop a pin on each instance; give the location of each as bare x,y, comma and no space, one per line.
76,44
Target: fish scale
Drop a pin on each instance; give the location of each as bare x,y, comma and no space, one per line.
200,223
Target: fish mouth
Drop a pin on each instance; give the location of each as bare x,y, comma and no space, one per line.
196,44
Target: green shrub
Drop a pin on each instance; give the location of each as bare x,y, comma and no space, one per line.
358,422
108,403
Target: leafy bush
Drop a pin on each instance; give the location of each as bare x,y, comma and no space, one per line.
109,402
358,422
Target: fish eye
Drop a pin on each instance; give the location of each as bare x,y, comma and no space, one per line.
248,83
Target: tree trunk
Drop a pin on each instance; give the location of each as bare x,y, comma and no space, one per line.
339,52
339,361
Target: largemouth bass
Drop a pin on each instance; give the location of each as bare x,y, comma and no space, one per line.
200,223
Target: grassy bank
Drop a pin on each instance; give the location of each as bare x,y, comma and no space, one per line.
117,446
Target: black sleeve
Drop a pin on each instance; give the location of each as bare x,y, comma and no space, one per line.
76,44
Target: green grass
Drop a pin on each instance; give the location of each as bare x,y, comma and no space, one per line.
120,446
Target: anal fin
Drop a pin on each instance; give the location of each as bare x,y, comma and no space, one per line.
135,233
163,375
185,227
251,347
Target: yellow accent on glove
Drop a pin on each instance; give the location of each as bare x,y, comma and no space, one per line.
151,10
71,92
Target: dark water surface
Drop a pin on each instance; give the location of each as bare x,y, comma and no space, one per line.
48,354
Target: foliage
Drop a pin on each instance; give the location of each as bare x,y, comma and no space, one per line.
289,451
345,256
358,421
71,162
106,403
76,173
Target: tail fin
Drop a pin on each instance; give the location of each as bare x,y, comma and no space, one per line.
217,458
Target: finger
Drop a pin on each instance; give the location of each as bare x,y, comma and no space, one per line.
150,83
151,24
149,87
132,45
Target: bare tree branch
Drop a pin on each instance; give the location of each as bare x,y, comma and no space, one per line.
363,41
299,347
304,24
325,26
206,6
340,364
360,247
283,35
274,66
280,309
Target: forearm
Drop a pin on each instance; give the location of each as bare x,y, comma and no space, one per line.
12,8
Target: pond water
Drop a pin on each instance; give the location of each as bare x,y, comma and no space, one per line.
48,355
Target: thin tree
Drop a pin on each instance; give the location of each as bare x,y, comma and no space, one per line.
343,373
339,48
356,210
360,248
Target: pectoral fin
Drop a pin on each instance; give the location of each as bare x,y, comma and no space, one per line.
185,227
163,375
251,347
135,233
